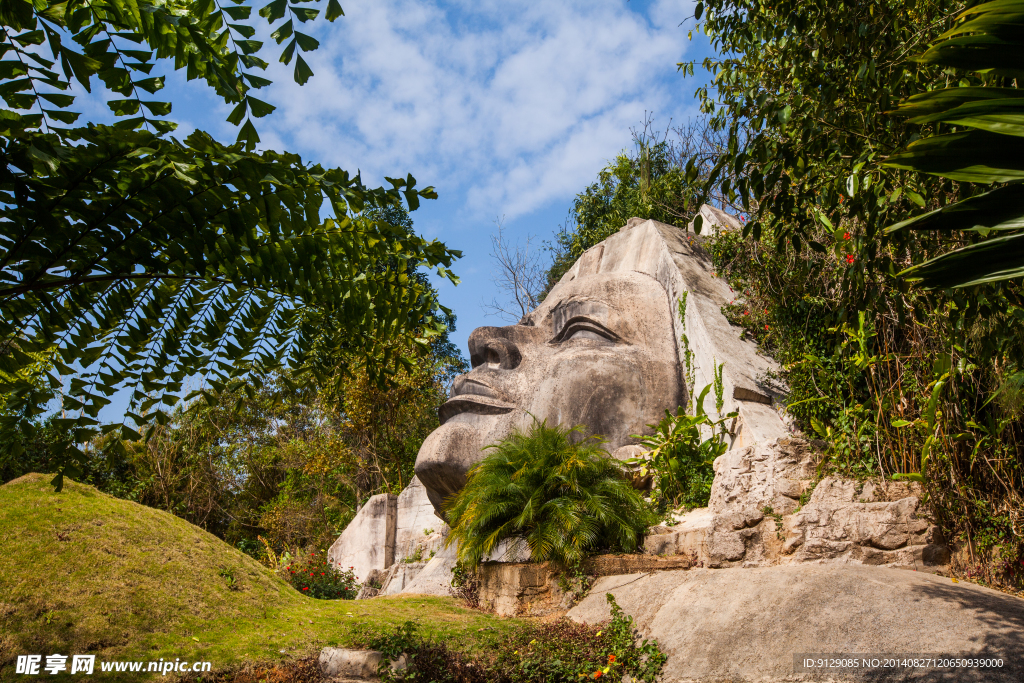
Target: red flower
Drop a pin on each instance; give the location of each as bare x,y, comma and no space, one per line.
611,658
746,312
306,588
598,674
850,258
766,327
846,235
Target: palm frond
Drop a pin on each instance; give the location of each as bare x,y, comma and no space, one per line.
564,500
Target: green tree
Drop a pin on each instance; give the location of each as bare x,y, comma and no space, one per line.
660,180
139,260
681,454
804,91
560,496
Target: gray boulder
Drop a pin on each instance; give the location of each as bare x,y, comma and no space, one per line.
756,624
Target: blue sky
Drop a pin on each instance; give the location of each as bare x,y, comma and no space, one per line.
507,108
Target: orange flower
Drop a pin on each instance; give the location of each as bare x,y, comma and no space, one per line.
611,658
598,674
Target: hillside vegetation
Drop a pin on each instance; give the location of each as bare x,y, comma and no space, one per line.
85,573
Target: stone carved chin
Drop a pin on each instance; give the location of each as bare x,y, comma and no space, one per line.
600,351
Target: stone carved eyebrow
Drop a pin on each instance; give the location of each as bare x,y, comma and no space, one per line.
583,312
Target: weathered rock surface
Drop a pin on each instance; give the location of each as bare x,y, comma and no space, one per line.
511,589
715,221
368,542
749,624
435,578
389,531
754,517
857,522
774,475
416,525
541,588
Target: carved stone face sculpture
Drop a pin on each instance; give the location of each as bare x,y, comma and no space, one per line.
600,351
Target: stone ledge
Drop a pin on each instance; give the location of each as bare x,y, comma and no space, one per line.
535,589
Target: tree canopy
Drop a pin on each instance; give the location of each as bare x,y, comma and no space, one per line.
132,258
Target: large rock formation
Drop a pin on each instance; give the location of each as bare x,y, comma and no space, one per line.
606,349
390,540
758,624
779,564
755,517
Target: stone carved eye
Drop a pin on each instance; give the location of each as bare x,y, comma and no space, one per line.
584,333
577,329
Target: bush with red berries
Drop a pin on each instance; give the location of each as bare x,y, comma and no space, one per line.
313,575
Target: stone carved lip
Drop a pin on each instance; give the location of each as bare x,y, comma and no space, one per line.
469,386
473,396
472,403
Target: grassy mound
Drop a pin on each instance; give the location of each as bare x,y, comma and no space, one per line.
84,573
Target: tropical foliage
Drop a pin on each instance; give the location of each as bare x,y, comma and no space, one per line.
136,260
681,449
284,466
804,91
986,40
551,490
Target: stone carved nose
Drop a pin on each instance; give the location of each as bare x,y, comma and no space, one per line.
491,346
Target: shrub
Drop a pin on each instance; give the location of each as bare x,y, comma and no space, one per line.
554,652
563,499
567,651
682,456
465,586
313,575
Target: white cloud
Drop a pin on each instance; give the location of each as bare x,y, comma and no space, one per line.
513,103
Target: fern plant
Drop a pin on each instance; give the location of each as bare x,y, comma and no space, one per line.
563,497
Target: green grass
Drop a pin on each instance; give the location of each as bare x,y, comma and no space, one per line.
84,573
